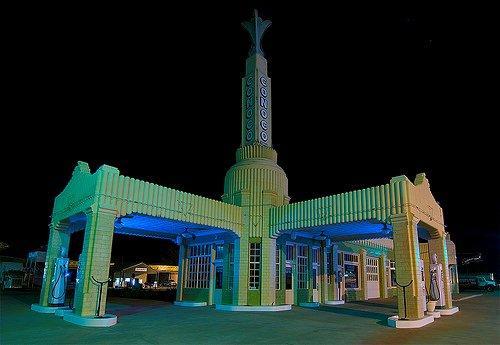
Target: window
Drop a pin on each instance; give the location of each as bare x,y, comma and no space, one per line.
354,258
289,252
288,278
278,269
198,263
351,276
314,277
230,254
219,251
315,255
254,276
392,274
218,277
302,277
351,263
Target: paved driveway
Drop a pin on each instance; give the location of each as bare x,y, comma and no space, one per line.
154,322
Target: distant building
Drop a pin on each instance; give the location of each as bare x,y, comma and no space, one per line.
142,273
8,268
35,264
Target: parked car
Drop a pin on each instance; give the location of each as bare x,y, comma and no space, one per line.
169,284
477,281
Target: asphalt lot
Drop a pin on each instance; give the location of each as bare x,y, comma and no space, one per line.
157,322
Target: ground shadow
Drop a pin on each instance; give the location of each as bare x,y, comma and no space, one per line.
374,304
355,312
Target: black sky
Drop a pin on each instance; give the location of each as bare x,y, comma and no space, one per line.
156,93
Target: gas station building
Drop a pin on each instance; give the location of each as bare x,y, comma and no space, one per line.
256,249
154,275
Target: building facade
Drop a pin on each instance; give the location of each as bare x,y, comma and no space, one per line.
256,248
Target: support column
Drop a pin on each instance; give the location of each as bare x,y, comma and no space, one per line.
382,277
180,272
407,261
438,246
336,284
58,237
268,272
324,273
94,261
211,283
362,275
240,290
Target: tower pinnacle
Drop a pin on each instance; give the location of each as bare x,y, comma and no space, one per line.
256,89
256,28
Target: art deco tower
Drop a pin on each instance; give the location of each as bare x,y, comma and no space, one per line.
256,182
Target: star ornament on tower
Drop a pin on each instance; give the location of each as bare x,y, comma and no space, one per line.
256,28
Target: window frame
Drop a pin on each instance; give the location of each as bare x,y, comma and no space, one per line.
302,256
351,259
254,262
199,261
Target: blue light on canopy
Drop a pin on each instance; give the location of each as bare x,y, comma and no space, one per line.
155,227
149,226
361,230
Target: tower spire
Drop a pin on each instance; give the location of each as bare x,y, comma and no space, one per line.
256,88
256,28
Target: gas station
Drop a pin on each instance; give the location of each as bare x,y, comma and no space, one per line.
256,250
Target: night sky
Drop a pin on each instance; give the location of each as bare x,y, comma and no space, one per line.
155,92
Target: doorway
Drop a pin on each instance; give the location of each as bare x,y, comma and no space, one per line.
218,284
289,284
315,283
315,273
372,278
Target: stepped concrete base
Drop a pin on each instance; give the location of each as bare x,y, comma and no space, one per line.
447,312
309,304
434,313
107,320
46,310
190,304
226,307
395,322
62,312
336,302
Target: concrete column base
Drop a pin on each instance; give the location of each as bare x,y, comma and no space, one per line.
190,304
62,312
227,307
447,312
46,310
107,320
336,302
395,322
309,304
434,313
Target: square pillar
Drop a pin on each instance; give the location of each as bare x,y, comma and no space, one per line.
268,271
382,277
324,273
180,274
211,283
94,262
58,238
337,292
407,261
438,246
240,289
362,276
